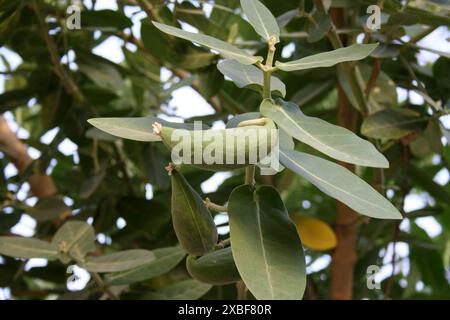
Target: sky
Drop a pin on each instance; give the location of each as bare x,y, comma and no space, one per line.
197,106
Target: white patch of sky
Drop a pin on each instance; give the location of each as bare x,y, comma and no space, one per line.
288,50
430,225
103,239
442,177
319,264
214,182
79,280
416,201
121,223
221,219
401,258
5,293
34,263
148,191
25,227
435,40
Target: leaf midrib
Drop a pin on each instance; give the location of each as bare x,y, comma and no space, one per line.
331,185
261,21
193,216
343,154
31,249
261,238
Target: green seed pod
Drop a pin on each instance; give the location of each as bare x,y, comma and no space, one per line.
192,221
217,150
216,268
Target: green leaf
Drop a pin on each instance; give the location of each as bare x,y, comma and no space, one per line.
340,183
139,129
249,76
330,58
90,185
319,28
165,260
94,133
265,244
119,261
27,248
183,290
334,141
48,208
211,81
284,19
77,238
105,20
13,98
392,123
261,19
102,72
225,49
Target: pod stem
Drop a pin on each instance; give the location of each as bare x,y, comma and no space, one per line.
170,167
157,128
98,280
250,175
211,205
268,68
223,244
253,122
241,290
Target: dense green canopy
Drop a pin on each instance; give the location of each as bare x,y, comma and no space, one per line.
101,198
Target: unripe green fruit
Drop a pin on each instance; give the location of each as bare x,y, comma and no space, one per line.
215,268
226,149
192,221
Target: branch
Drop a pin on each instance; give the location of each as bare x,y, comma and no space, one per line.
213,101
348,69
40,185
59,70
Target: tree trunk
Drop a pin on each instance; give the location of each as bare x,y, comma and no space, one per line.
344,256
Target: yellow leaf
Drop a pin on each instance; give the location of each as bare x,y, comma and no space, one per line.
314,233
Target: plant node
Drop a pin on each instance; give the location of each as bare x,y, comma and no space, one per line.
157,128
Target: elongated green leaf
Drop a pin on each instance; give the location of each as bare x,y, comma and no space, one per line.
330,58
339,183
225,49
261,19
183,290
49,208
284,19
334,141
165,260
139,129
249,76
119,261
27,248
392,123
265,244
77,238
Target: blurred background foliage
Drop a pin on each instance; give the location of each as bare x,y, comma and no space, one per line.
121,187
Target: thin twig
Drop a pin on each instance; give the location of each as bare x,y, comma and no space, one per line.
59,70
98,280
